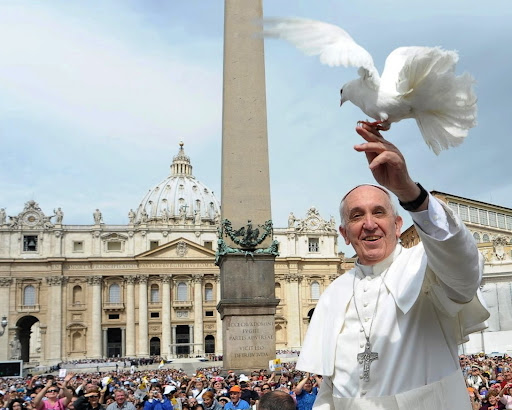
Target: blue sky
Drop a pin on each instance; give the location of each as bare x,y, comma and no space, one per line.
95,97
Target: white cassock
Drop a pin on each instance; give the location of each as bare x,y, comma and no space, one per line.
416,328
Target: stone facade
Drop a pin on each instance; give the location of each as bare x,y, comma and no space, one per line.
149,287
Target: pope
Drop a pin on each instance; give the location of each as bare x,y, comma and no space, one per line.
384,335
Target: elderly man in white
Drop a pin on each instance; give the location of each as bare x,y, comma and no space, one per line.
384,335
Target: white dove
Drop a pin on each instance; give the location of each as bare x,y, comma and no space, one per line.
417,82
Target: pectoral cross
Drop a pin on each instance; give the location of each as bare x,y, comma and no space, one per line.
366,358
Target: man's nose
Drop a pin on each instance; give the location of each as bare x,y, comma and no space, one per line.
369,222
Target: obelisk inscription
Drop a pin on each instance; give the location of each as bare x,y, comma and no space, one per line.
247,305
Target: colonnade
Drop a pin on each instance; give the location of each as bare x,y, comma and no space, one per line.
136,344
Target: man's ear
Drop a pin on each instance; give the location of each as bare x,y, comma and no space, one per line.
344,234
398,224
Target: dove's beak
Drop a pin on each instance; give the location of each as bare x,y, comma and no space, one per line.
341,97
341,102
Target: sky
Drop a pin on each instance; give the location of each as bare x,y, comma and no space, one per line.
95,97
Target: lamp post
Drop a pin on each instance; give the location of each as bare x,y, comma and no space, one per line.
3,323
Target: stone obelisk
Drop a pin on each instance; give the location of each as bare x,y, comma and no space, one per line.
246,253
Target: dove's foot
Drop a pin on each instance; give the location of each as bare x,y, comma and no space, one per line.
378,125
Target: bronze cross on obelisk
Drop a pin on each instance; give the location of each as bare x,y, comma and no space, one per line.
366,358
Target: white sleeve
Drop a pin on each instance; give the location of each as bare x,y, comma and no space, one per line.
451,250
434,221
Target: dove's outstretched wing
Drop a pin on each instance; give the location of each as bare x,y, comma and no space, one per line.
331,43
443,104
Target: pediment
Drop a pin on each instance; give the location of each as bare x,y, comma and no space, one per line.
178,249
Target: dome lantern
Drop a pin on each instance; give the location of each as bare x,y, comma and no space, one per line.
181,163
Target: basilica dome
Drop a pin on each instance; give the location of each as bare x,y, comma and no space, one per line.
178,199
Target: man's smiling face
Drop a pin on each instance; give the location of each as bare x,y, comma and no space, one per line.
371,225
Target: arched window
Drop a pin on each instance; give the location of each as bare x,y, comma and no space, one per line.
154,346
154,294
315,290
485,238
182,291
29,295
77,295
476,235
208,292
278,291
114,293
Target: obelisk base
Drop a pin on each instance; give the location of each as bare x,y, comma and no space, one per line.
248,322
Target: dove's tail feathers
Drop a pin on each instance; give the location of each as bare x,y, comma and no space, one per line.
448,126
421,63
438,132
443,103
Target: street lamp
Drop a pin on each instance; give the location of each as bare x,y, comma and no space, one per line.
4,325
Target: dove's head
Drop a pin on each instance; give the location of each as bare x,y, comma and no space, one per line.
348,90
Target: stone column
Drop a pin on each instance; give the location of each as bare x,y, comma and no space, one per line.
218,337
166,316
55,313
143,349
174,340
104,342
58,243
247,311
130,315
123,342
94,341
5,285
293,301
96,242
198,315
191,338
44,334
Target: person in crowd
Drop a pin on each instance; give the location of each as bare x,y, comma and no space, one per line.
265,388
506,396
247,394
507,376
16,404
171,393
257,389
157,400
209,402
195,389
396,302
90,400
236,402
120,401
219,388
305,393
476,379
491,401
223,401
51,393
276,400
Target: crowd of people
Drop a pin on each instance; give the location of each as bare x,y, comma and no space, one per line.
489,381
163,388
